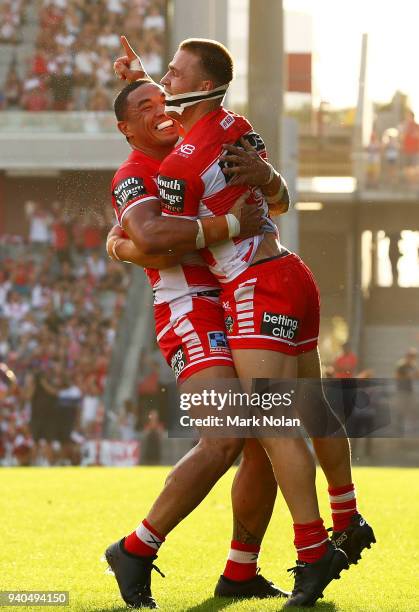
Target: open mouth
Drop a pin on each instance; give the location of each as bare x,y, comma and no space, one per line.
164,125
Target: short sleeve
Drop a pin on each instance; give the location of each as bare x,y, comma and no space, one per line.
131,188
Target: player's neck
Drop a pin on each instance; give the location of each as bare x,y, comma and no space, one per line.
154,152
193,114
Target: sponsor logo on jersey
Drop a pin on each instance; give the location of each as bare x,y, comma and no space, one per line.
186,149
217,341
227,121
279,326
178,361
229,323
128,190
172,193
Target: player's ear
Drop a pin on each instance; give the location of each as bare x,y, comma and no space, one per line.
123,127
207,85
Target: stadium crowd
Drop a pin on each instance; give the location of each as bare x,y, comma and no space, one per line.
76,43
393,155
12,16
60,298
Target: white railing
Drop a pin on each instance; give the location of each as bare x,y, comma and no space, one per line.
85,122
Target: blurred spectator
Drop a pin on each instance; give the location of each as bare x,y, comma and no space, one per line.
42,392
13,89
60,234
373,161
409,134
128,422
345,364
61,87
394,255
91,407
152,439
406,403
39,224
35,99
148,388
67,421
391,151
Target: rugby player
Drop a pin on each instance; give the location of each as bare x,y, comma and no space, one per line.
188,315
281,342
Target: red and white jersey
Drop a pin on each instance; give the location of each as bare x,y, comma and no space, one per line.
134,184
192,184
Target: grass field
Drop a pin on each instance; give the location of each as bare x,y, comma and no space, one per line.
56,523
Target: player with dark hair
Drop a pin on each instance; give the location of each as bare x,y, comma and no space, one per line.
278,342
188,314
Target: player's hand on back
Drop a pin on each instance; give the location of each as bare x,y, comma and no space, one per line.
244,165
129,67
248,215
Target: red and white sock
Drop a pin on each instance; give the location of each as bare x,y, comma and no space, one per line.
310,541
145,541
242,561
343,504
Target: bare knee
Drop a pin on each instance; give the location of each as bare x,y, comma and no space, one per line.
222,450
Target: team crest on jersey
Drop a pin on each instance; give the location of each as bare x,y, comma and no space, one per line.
128,190
229,323
279,326
217,341
172,193
178,361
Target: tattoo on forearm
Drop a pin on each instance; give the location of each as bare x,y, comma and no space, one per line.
241,534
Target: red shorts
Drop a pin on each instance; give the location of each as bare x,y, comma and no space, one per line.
273,305
196,340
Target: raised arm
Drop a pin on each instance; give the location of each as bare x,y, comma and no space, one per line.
129,67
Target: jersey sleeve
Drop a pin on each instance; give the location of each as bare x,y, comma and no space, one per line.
256,141
180,188
131,187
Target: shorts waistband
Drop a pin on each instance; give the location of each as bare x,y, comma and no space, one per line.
283,253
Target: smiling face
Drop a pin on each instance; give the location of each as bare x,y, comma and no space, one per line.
145,124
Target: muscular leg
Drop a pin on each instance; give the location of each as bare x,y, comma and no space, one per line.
291,459
253,494
333,453
196,473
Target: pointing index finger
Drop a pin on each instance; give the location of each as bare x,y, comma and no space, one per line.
127,48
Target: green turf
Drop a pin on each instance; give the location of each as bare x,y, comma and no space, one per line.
56,523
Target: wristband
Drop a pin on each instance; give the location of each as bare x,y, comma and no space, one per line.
114,253
277,197
136,64
233,225
200,238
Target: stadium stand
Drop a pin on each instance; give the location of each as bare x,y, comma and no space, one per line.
60,298
58,54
